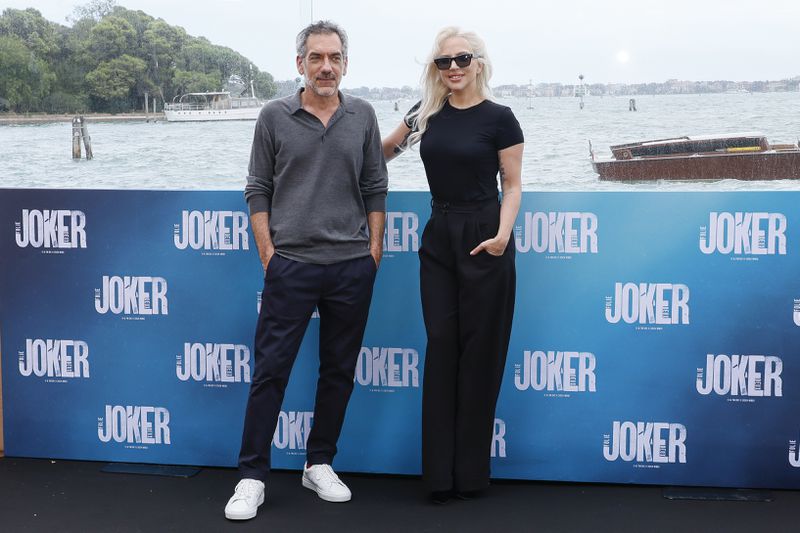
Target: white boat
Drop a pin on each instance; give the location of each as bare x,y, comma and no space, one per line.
194,107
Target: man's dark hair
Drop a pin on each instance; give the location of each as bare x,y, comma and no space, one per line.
321,26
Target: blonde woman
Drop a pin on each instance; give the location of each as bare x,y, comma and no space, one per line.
467,273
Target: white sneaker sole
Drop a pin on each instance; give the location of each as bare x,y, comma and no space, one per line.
327,497
230,515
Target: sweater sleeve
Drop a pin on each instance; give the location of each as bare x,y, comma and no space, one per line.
260,173
374,179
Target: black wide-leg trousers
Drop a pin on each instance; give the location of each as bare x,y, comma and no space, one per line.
468,304
342,293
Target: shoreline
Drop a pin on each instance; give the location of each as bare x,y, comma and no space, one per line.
43,118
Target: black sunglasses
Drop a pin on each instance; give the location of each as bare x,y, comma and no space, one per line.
463,60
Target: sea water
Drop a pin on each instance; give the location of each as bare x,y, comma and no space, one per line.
214,155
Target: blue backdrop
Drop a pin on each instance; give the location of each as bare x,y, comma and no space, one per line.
655,337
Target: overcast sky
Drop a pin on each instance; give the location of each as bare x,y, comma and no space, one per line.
626,41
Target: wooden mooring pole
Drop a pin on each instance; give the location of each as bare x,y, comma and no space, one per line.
76,138
80,131
87,140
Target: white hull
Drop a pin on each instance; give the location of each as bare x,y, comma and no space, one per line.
206,115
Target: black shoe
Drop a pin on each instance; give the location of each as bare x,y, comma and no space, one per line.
467,495
441,497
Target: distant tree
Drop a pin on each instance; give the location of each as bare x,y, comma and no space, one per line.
285,88
108,59
163,44
597,89
94,10
112,84
24,79
264,84
229,62
197,55
32,28
194,82
140,22
61,102
73,60
361,92
111,38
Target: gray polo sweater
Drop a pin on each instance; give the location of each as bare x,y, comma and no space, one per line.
317,183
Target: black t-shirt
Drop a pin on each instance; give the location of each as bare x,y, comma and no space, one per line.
459,150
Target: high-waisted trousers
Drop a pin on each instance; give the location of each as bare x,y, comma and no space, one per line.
468,305
342,293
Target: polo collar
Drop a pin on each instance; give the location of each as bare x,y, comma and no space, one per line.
296,103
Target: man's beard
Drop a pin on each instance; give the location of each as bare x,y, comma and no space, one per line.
322,91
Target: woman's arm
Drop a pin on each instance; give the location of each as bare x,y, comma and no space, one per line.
511,184
393,142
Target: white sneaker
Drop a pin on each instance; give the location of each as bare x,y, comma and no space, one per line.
243,505
324,481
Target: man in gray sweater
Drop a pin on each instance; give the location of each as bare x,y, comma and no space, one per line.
316,190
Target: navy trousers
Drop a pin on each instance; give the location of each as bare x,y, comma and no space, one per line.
342,293
468,305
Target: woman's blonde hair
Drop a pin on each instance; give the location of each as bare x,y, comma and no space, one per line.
434,91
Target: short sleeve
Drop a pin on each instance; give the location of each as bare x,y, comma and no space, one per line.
409,119
509,132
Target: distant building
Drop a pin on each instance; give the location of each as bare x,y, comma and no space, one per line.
671,86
